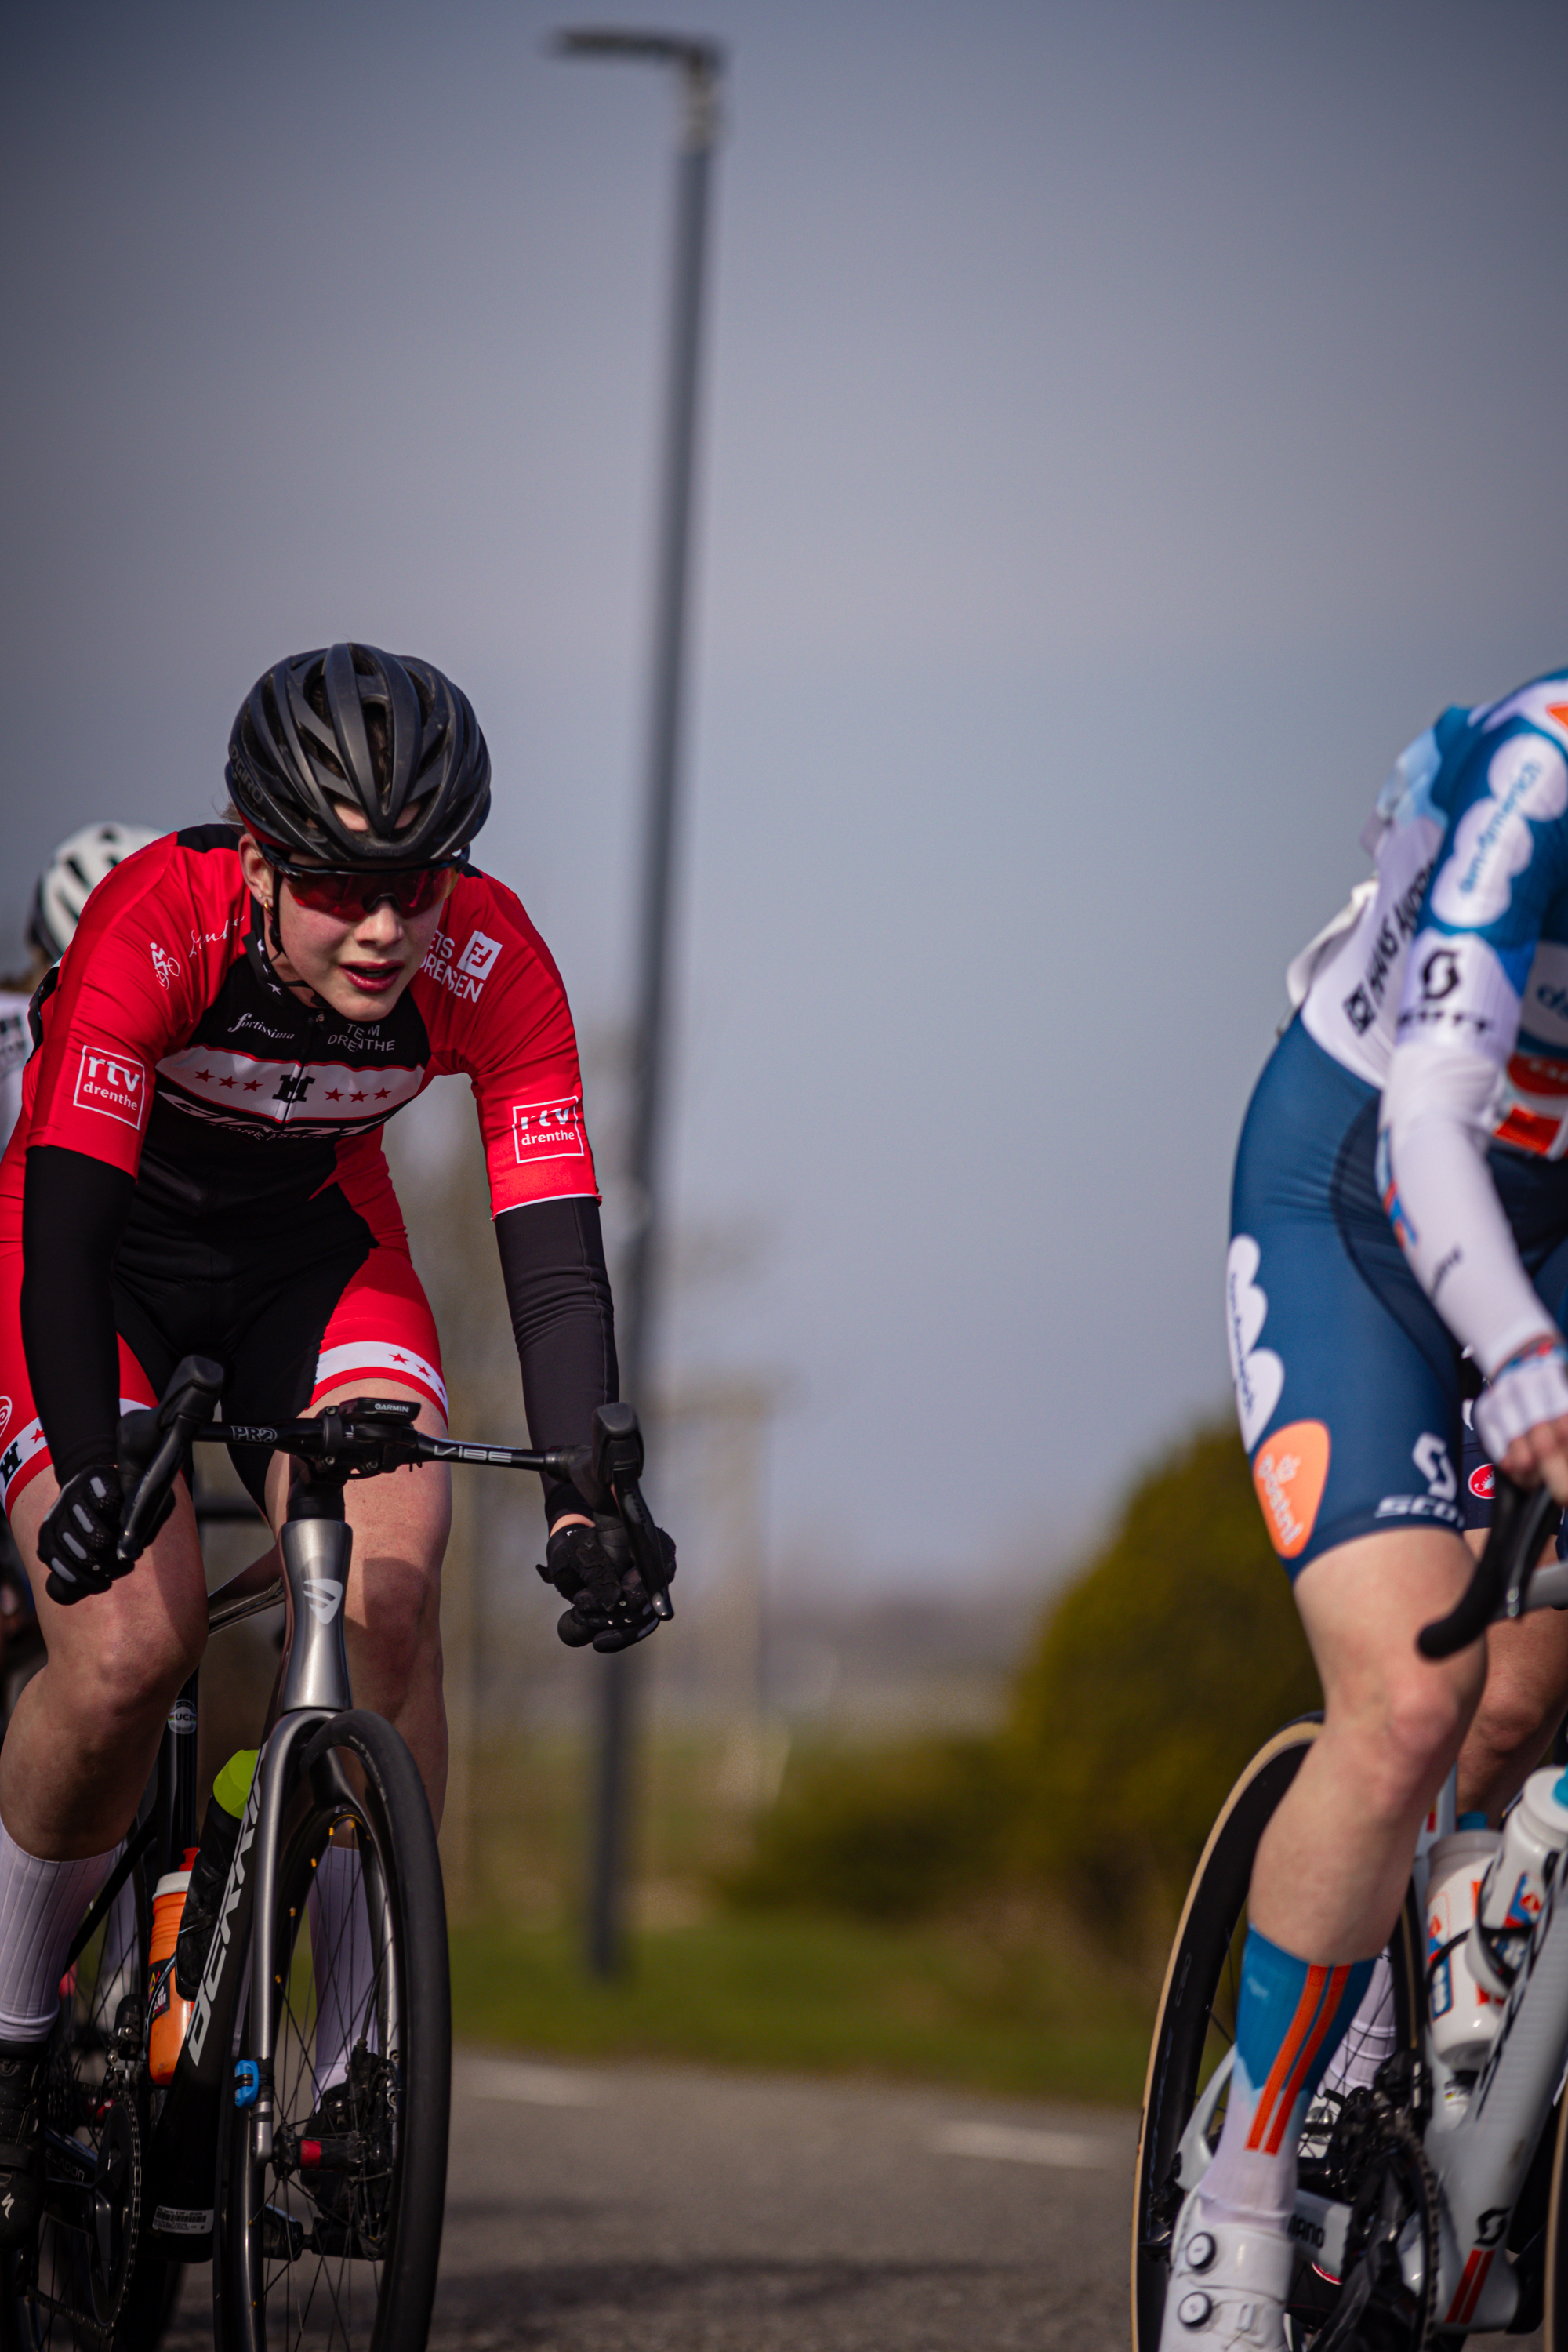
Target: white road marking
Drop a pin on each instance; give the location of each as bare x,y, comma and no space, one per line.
533,2087
1020,2144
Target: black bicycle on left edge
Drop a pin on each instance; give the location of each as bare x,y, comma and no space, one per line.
320,2203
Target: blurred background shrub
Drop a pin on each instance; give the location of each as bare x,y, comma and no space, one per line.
1150,1684
1146,1686
888,1832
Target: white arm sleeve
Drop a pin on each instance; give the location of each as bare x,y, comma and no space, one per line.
1433,1174
10,1103
16,1045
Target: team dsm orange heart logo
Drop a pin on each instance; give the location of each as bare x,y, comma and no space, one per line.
4,1415
1290,1473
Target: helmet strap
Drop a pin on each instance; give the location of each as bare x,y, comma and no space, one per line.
270,943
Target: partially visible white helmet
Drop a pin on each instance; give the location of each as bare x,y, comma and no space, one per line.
72,874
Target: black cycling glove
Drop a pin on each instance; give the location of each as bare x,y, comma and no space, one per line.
77,1540
592,1567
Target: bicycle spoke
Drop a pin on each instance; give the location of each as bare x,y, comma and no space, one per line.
337,2035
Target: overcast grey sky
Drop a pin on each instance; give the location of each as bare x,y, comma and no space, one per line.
1128,425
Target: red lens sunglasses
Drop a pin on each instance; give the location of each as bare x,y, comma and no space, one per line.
350,893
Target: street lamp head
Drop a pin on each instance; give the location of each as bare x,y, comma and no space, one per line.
700,63
701,59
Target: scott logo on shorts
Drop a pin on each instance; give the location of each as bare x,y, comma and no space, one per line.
1290,1473
115,1084
1430,1455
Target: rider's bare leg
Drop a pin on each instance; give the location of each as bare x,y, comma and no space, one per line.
392,1611
77,1753
85,1734
1332,1867
254,1577
1523,1701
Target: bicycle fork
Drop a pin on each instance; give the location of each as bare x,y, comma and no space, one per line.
313,1686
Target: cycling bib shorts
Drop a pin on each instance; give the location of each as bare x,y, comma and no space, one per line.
291,1317
1347,1383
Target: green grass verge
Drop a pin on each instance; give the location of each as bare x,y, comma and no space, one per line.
826,1996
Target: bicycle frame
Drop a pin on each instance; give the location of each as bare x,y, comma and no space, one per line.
369,1437
1480,2152
315,1542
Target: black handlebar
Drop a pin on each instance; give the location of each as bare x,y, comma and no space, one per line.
1502,1573
370,1435
157,1443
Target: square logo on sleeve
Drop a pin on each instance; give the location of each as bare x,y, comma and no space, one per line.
548,1130
478,957
114,1083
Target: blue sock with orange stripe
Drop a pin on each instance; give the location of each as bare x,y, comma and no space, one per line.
1292,2018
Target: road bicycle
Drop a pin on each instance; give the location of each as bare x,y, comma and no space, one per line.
301,2143
1431,2205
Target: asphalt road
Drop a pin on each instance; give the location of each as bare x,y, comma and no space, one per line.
624,2209
641,2209
728,2214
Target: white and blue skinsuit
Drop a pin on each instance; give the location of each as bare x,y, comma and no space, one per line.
1400,1190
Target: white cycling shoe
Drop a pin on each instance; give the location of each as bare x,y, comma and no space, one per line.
1229,2284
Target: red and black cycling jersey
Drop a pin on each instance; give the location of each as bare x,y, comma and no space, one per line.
167,1047
167,1053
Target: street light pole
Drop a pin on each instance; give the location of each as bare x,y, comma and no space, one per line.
699,64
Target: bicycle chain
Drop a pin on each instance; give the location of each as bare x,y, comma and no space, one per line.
1369,2138
101,2330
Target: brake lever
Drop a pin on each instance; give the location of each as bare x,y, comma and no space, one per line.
188,1404
648,1552
1502,1579
616,1466
1527,1550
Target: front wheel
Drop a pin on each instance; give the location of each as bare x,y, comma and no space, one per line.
1195,2028
332,2240
1554,2328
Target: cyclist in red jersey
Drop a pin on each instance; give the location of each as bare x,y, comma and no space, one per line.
61,891
198,1169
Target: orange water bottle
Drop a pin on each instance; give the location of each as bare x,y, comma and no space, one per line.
167,2014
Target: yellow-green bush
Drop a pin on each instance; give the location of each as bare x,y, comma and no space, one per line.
881,1833
1147,1686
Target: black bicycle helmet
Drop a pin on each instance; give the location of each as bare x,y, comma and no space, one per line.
352,726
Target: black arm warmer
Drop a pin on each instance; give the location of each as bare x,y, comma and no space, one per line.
558,1291
73,1214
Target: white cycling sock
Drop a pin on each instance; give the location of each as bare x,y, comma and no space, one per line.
1370,2038
343,1962
1289,2020
41,1908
